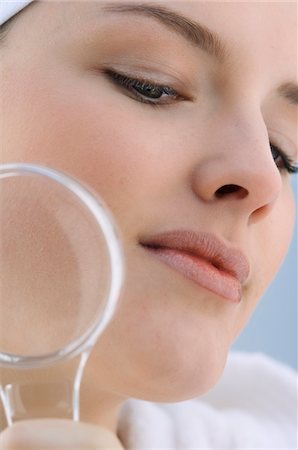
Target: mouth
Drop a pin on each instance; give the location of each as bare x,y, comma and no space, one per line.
204,259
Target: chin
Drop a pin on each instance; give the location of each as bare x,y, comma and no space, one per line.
179,382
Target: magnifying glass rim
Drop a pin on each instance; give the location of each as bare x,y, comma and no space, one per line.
103,217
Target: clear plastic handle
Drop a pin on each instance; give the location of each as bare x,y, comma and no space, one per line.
43,392
61,272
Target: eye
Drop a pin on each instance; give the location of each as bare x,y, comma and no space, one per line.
144,90
282,160
152,91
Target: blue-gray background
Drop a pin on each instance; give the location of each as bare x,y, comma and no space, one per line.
273,326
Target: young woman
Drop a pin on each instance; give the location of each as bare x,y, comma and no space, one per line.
183,117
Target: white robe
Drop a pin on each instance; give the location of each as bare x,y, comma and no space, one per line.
254,406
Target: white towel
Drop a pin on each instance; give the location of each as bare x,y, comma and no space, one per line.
254,406
9,8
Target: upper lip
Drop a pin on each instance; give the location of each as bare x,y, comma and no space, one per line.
204,245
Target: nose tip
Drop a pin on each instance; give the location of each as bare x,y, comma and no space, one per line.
252,186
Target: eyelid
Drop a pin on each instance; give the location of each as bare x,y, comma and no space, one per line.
144,80
169,96
284,143
160,80
288,164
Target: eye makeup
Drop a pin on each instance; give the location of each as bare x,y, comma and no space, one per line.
282,160
145,90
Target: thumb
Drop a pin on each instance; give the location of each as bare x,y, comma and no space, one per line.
49,434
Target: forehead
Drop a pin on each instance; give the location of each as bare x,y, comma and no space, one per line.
239,23
257,35
244,16
253,32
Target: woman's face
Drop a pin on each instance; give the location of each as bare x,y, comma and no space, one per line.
192,154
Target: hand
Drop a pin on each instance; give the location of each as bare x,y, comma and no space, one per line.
49,434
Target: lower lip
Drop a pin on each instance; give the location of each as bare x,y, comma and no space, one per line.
201,272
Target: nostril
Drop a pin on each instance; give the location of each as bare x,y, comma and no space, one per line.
231,189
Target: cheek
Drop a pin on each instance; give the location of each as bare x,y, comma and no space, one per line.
168,341
82,130
275,235
269,243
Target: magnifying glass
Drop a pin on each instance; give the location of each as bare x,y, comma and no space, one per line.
61,271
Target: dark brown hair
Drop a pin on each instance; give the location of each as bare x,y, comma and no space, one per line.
4,28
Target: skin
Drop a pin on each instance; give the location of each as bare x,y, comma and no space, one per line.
159,169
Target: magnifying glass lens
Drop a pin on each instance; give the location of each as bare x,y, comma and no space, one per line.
55,266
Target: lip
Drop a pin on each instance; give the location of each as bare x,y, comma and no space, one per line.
203,258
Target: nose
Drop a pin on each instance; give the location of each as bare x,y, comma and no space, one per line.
237,167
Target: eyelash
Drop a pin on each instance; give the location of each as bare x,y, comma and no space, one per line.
131,84
286,162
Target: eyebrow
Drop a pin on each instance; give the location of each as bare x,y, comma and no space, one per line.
194,32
